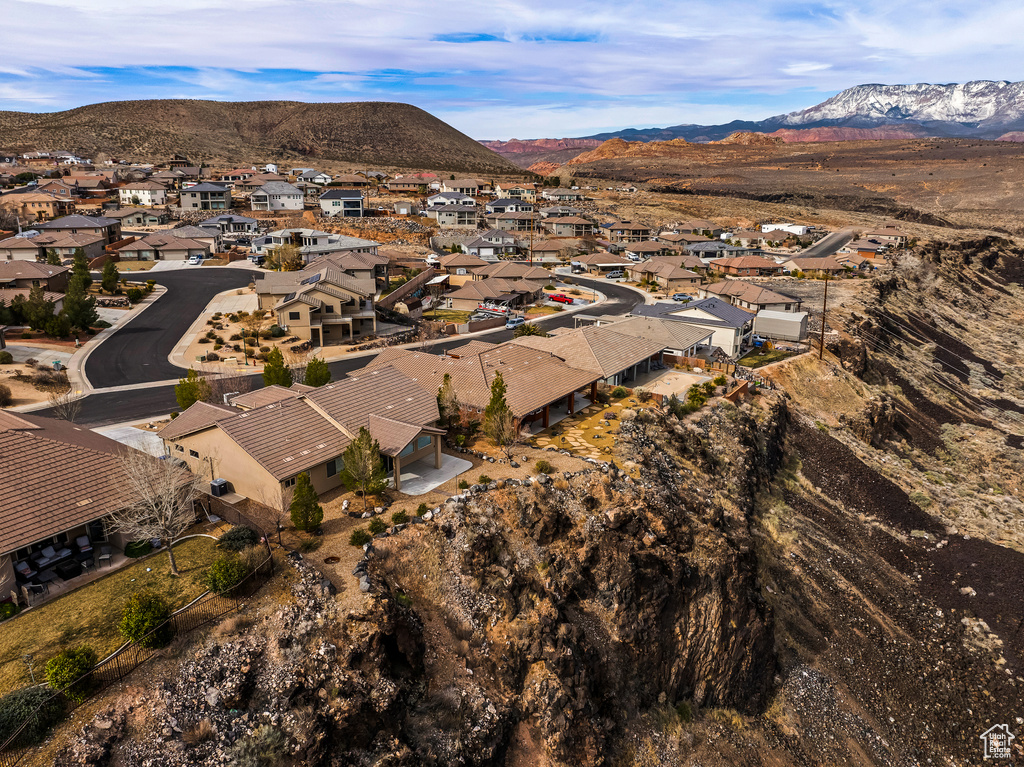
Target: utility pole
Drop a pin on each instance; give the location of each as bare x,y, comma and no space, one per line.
824,309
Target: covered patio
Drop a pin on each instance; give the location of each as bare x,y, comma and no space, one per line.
422,476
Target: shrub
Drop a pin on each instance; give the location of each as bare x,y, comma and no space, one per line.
463,484
238,537
619,392
483,479
276,331
642,394
205,340
377,526
720,380
460,440
543,467
6,397
8,610
69,665
310,544
236,337
102,324
6,358
144,612
218,347
19,705
227,571
138,549
200,733
266,747
399,517
213,356
421,510
26,334
264,349
359,537
135,295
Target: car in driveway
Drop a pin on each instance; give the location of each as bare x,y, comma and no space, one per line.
195,260
681,297
560,298
618,274
515,322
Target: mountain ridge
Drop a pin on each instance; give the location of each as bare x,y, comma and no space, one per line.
378,133
983,109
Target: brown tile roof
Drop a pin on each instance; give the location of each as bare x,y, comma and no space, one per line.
746,262
296,432
533,378
7,294
514,270
462,259
669,334
199,416
601,350
53,476
25,270
493,287
602,258
744,291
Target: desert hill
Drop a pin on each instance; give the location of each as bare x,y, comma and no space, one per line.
372,133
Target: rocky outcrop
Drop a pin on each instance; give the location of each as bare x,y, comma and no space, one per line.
749,138
837,133
617,148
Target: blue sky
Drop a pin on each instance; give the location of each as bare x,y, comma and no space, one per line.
502,69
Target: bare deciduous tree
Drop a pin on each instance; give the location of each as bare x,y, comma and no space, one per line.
504,430
65,405
160,500
222,384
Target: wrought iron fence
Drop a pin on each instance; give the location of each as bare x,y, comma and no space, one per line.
131,655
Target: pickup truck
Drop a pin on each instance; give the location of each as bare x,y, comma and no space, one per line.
560,298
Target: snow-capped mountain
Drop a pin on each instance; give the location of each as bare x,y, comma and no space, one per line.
981,103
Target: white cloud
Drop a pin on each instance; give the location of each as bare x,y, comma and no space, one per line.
613,63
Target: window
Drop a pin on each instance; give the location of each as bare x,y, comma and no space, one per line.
329,308
423,440
288,482
180,448
334,467
293,315
193,453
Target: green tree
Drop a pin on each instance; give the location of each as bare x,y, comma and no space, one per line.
448,401
111,278
68,666
500,423
79,306
36,310
317,373
191,389
275,371
526,329
284,258
6,315
307,513
52,257
58,326
363,469
81,268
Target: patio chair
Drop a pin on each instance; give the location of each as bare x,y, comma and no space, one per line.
84,544
24,569
106,554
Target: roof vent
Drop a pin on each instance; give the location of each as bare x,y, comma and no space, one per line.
288,458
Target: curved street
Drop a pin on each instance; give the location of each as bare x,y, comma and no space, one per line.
137,354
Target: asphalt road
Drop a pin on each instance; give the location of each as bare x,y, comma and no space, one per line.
138,355
828,244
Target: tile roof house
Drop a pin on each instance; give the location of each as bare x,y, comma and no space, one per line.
313,244
666,274
279,434
143,193
138,217
64,244
455,216
826,264
536,380
747,266
647,248
602,261
515,221
29,274
449,198
205,196
36,206
628,231
506,292
469,186
322,306
516,270
508,205
231,223
347,203
699,226
526,192
729,325
276,195
58,481
569,226
461,264
164,246
748,296
561,195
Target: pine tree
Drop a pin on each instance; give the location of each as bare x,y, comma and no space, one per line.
317,373
81,268
111,277
36,310
275,371
191,389
52,257
307,513
362,467
500,423
79,306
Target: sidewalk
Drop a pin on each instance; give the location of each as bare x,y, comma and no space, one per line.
227,301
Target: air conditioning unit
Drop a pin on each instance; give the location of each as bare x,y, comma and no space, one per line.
219,487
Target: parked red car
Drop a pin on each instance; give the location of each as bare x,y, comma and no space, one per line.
560,298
